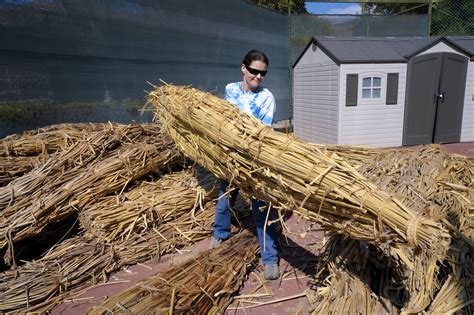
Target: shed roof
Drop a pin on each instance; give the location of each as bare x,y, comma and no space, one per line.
384,49
465,42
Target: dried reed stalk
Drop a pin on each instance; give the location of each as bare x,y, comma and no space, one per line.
203,285
100,178
148,205
291,173
82,261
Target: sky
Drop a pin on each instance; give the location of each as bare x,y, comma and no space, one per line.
332,8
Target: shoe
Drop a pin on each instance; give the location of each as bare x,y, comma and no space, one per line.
216,242
272,272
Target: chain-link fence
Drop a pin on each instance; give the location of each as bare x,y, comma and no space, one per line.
350,18
452,17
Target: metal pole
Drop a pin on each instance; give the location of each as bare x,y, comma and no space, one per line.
290,77
430,11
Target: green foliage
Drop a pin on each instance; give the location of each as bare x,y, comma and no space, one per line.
394,8
453,17
132,105
281,6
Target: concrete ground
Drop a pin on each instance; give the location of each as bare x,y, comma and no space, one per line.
299,248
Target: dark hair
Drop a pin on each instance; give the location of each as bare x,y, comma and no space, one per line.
255,55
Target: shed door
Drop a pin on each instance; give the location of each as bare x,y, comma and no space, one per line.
435,96
451,104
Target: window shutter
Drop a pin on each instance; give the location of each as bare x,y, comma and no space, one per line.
392,88
352,86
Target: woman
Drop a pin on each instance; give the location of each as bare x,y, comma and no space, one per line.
250,97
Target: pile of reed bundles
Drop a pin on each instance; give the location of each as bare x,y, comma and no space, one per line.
331,186
102,164
80,262
358,279
203,285
123,219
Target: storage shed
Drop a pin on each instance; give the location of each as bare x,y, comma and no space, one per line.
385,92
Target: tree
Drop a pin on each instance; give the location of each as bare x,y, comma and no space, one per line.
281,6
453,17
394,8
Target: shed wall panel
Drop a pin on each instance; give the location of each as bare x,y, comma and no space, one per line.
467,129
314,55
372,122
315,98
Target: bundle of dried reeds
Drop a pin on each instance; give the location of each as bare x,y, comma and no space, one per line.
75,158
203,285
430,181
437,184
291,173
82,261
48,140
356,278
86,127
77,189
12,167
148,205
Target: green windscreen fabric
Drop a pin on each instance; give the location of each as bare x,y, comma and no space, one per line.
90,60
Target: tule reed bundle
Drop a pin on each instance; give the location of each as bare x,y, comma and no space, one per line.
148,205
428,180
203,285
12,167
82,261
291,173
74,158
48,140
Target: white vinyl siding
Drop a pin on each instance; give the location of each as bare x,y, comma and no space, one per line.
315,98
467,129
372,122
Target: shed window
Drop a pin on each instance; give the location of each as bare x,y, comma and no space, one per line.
371,87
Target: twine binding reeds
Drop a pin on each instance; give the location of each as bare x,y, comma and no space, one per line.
304,178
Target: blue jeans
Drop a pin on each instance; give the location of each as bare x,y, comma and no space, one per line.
223,216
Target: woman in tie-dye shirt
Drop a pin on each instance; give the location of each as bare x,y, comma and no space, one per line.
254,99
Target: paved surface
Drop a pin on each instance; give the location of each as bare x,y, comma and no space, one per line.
300,245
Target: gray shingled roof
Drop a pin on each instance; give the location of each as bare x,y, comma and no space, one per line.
384,49
465,42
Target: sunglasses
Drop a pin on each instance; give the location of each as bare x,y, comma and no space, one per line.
254,71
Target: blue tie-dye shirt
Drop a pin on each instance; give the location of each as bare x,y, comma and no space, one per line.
260,104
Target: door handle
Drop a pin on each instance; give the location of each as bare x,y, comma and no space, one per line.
440,96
